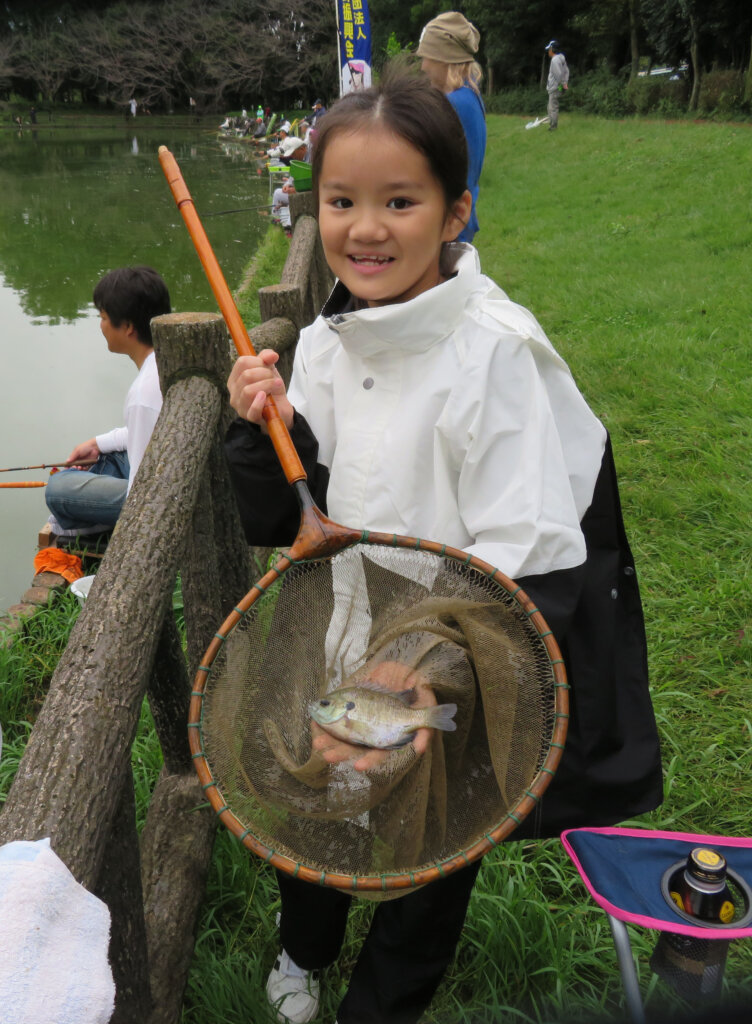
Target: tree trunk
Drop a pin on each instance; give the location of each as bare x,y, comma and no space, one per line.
70,779
633,39
120,887
694,53
69,783
177,839
176,844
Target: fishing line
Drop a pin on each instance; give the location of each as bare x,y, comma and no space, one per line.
63,464
242,209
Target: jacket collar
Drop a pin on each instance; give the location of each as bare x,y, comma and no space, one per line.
414,325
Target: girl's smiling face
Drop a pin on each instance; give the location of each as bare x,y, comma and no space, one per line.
383,216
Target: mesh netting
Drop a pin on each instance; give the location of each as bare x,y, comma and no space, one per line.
694,968
332,622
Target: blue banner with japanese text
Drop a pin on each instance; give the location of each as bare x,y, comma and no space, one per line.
354,36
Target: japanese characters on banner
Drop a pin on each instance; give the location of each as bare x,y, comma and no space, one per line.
354,36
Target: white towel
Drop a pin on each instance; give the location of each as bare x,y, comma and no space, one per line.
54,939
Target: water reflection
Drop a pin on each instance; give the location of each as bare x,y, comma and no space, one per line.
76,204
76,207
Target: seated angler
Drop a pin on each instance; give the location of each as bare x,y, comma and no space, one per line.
89,501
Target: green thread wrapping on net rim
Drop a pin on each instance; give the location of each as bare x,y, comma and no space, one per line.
384,877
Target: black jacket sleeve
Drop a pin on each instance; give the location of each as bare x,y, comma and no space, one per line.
268,507
611,766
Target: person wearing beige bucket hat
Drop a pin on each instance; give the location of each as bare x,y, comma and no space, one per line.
447,48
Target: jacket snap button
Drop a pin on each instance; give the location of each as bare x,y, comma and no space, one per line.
368,383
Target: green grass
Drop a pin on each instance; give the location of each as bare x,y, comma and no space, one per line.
631,242
26,668
265,268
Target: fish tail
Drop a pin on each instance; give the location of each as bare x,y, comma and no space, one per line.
442,717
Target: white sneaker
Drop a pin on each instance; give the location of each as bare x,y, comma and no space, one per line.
292,991
80,531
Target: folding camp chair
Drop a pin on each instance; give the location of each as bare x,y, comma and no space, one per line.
627,872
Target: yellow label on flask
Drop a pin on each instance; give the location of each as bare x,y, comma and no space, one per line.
677,899
727,912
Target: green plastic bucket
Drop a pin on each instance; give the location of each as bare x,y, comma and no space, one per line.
301,175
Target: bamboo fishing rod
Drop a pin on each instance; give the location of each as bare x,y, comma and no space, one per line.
26,483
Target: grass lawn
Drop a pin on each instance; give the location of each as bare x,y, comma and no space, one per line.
631,241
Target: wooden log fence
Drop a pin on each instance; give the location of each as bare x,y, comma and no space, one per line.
75,783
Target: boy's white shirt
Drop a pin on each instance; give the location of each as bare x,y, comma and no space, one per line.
452,418
141,410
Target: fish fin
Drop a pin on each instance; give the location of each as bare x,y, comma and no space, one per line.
407,697
402,743
442,717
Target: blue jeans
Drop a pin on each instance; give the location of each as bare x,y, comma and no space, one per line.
92,497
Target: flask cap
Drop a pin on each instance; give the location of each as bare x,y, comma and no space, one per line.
706,864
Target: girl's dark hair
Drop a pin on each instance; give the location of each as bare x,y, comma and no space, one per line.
406,104
133,295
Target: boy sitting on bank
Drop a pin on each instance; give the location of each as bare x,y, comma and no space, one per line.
89,501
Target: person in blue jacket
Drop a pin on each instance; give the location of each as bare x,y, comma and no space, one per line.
447,49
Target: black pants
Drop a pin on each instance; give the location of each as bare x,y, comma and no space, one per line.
404,956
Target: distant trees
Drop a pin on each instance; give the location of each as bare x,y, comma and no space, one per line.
231,53
614,34
223,53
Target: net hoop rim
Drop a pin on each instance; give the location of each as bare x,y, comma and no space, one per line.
387,881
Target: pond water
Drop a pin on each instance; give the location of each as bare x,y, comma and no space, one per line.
75,204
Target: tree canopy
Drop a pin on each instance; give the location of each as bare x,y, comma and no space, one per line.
231,53
223,53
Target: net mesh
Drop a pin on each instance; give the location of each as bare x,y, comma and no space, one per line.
333,622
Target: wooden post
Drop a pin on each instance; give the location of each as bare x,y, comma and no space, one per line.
176,853
282,300
73,781
169,692
301,205
178,835
119,886
69,782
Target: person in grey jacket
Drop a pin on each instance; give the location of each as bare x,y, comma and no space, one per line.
558,82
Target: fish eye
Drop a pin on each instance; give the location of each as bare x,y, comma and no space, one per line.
349,705
324,703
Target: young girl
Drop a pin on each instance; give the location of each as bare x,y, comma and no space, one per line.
424,402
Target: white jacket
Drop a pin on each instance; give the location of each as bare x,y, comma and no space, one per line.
451,418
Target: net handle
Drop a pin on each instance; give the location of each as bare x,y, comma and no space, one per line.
288,457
